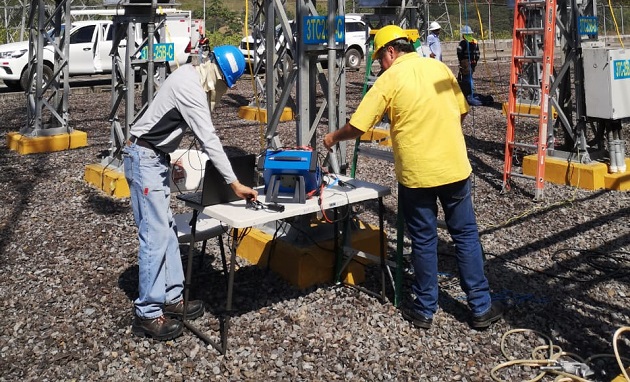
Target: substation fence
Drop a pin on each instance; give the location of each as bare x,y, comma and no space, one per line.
487,19
496,20
14,16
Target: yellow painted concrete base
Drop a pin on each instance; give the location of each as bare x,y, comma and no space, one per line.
381,136
523,108
592,176
620,377
618,181
251,113
31,145
111,182
307,266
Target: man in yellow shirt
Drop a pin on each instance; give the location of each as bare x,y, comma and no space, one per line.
426,108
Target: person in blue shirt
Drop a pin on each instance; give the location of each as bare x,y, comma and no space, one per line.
433,41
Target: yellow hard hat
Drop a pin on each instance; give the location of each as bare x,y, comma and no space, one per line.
385,35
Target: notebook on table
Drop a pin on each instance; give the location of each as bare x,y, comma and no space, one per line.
214,190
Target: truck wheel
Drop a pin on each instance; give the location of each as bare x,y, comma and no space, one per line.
353,59
46,72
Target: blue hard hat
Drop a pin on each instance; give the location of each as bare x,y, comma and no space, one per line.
231,62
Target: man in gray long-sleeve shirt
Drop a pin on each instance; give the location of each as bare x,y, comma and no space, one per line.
183,101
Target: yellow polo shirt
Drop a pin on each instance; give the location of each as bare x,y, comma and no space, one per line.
424,104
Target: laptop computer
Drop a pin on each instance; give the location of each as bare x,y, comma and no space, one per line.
214,190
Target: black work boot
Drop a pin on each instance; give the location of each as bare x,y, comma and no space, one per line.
416,319
176,310
494,314
160,328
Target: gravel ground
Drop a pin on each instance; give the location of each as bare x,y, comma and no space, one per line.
69,275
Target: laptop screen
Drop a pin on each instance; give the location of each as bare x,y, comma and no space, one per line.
216,191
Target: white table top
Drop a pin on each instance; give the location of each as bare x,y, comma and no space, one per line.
236,215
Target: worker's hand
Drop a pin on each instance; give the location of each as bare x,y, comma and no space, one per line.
329,141
244,192
432,55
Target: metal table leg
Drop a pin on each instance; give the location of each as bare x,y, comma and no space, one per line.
224,321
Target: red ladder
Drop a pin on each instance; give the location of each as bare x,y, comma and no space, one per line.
533,20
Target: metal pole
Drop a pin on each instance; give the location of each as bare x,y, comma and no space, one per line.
24,10
622,31
489,21
150,64
332,57
605,28
6,21
459,4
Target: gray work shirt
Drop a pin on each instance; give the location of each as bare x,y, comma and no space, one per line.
181,103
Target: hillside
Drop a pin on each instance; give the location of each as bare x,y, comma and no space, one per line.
494,20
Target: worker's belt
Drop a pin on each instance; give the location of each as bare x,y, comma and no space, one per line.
142,142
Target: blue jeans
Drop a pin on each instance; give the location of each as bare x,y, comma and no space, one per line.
466,84
420,212
161,275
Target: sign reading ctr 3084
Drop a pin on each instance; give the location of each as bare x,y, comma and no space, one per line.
315,30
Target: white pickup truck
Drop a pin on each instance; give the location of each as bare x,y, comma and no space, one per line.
357,31
90,44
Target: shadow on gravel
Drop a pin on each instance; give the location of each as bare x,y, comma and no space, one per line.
104,205
16,190
128,282
559,298
254,287
235,100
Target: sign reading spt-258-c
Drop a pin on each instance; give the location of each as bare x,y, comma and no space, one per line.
161,52
315,30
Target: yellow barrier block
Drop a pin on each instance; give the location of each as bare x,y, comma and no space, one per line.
620,377
60,142
251,113
111,182
307,266
618,181
381,136
525,108
560,171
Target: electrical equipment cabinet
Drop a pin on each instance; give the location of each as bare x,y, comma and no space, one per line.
607,82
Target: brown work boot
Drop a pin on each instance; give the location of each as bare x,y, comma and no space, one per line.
176,310
160,328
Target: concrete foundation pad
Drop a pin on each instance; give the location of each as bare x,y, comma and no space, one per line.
251,113
304,266
110,181
60,142
592,176
381,136
618,181
526,109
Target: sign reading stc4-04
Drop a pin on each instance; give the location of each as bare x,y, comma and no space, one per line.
315,30
587,26
621,69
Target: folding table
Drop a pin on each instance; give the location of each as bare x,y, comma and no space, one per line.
346,191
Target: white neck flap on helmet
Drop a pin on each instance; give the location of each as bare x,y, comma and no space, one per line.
212,82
